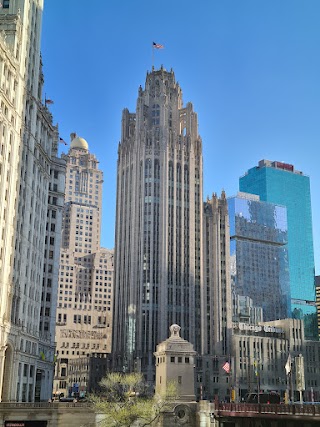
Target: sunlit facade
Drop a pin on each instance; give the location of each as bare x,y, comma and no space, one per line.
31,195
85,294
278,182
258,254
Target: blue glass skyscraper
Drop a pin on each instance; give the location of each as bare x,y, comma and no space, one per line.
258,249
279,182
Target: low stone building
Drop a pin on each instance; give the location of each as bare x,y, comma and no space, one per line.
257,359
261,353
85,373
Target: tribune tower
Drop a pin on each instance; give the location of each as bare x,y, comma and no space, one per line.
158,245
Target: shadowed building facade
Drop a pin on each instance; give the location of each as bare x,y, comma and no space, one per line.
217,301
158,244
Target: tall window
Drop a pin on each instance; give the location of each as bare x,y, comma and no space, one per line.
155,114
5,4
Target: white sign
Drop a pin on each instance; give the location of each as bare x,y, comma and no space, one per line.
258,328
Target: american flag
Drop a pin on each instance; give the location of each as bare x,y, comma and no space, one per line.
48,101
62,141
157,46
226,367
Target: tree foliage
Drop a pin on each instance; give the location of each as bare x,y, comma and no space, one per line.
125,399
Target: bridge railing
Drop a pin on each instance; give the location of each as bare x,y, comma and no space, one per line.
294,409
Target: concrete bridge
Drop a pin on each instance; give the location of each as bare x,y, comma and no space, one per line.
42,414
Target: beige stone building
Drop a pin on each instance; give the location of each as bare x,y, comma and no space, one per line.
175,362
31,195
261,352
257,358
85,295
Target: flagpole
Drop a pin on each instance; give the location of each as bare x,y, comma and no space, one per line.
291,387
288,369
230,379
152,57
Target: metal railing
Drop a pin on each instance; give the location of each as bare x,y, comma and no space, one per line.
276,409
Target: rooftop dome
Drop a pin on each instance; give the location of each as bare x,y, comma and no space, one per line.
79,143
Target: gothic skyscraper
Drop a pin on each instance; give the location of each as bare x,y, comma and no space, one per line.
158,246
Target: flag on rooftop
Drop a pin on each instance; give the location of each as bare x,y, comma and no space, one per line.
157,46
62,141
48,101
287,366
226,367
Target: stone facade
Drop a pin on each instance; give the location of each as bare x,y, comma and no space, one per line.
158,246
175,362
32,187
87,371
216,313
85,296
46,414
261,352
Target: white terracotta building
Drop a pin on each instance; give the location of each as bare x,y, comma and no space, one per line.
32,185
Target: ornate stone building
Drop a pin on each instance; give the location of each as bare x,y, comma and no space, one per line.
85,296
31,195
260,353
158,246
175,359
217,301
216,313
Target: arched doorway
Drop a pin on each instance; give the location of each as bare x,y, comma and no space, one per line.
7,372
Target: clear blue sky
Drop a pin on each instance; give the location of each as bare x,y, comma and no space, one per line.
250,67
